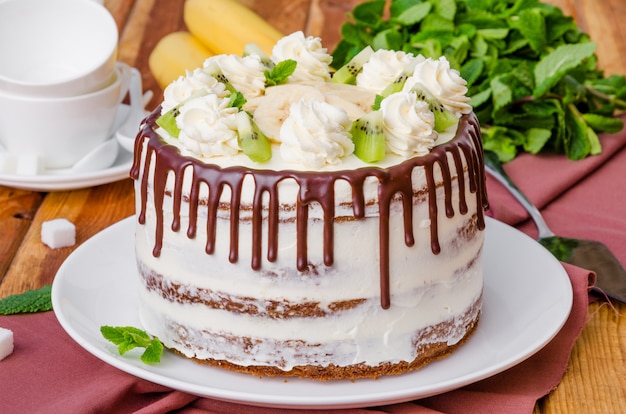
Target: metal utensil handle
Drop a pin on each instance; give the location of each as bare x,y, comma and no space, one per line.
494,168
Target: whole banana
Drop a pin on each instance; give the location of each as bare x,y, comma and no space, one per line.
226,26
174,54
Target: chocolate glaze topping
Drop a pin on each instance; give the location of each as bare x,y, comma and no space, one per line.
314,187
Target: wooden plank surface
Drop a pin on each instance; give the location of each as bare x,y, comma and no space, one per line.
595,381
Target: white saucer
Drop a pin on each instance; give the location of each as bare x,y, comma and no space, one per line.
67,179
527,299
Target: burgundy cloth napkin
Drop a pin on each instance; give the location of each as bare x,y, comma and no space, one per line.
49,373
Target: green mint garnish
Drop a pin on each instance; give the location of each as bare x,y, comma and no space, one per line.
128,337
38,300
531,72
237,100
280,72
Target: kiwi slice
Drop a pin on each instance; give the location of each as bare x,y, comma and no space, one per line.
252,141
398,83
347,73
214,70
167,121
368,137
393,87
396,86
254,49
444,118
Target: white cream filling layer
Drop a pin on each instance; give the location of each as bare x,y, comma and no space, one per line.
367,334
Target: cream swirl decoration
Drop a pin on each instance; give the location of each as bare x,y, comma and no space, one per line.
383,68
408,124
443,82
313,60
246,74
315,134
207,127
195,83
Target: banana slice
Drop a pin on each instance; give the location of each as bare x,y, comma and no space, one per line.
353,110
273,108
354,100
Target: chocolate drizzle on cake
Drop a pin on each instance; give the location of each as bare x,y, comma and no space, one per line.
314,187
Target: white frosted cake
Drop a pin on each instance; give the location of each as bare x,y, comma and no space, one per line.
320,227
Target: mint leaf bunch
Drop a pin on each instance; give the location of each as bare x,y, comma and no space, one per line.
37,300
129,337
532,73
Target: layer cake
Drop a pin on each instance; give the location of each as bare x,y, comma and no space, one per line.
332,270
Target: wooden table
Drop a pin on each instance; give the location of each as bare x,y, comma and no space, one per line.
596,378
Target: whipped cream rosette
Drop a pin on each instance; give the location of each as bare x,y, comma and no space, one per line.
409,125
444,83
385,67
313,59
315,133
196,83
207,127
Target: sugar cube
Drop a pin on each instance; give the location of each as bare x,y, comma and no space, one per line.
58,233
6,343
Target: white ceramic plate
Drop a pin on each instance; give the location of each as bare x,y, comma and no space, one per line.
527,299
66,179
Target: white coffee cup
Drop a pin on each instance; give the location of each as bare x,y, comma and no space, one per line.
56,48
60,131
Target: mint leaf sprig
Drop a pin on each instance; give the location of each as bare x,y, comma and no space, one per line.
37,300
531,72
129,337
280,72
